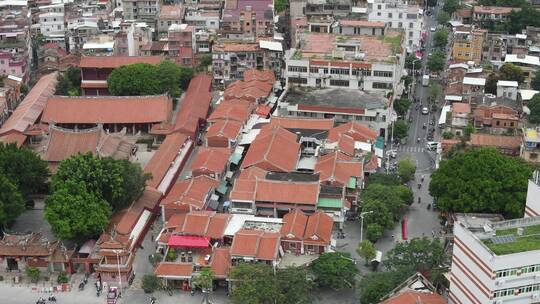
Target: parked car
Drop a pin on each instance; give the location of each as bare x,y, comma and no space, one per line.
425,111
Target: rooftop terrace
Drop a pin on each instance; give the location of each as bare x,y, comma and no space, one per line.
513,236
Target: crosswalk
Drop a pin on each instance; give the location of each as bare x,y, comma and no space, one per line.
411,149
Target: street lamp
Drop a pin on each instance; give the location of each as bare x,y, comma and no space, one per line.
362,224
118,265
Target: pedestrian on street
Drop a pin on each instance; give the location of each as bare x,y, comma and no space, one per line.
433,233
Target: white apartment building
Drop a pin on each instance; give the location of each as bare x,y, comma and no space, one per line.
52,20
138,10
498,262
399,15
369,63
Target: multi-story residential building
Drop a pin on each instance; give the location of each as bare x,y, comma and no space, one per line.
468,44
169,15
341,104
495,262
131,38
79,31
344,61
230,60
360,27
530,149
496,118
140,10
203,20
52,21
497,46
490,15
179,45
528,64
15,39
248,18
399,15
324,8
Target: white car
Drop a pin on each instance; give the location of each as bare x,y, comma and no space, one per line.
425,111
433,29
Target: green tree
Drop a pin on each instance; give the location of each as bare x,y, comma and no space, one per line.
24,169
409,60
204,62
75,214
450,6
435,91
185,77
519,19
418,254
402,106
150,283
432,3
469,129
443,17
295,285
374,232
62,278
134,80
11,201
388,195
119,182
335,270
441,37
512,72
376,285
406,169
170,74
33,273
384,179
491,83
448,135
535,81
380,214
205,281
405,194
279,5
69,83
502,180
400,129
366,250
254,284
437,61
534,107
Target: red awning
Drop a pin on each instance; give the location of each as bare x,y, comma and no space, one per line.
189,241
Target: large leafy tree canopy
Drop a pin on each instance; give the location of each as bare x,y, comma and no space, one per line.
534,106
146,79
419,254
483,181
376,285
436,61
118,182
254,284
11,201
69,83
24,169
76,214
509,71
335,270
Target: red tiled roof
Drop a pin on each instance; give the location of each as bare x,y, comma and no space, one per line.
170,269
252,173
256,243
201,223
160,162
414,297
221,262
498,141
356,130
236,111
461,107
362,23
107,109
492,9
319,228
210,160
338,167
117,61
218,223
243,190
254,74
286,192
224,128
274,149
192,192
195,105
195,223
302,123
294,225
28,111
346,144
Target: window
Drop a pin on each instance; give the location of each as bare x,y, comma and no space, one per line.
400,24
382,85
505,272
339,83
379,14
298,80
362,72
400,15
59,27
379,6
314,70
389,15
336,71
410,25
300,69
410,34
382,74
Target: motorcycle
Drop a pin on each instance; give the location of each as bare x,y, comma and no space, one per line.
418,140
428,206
52,299
81,286
419,200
